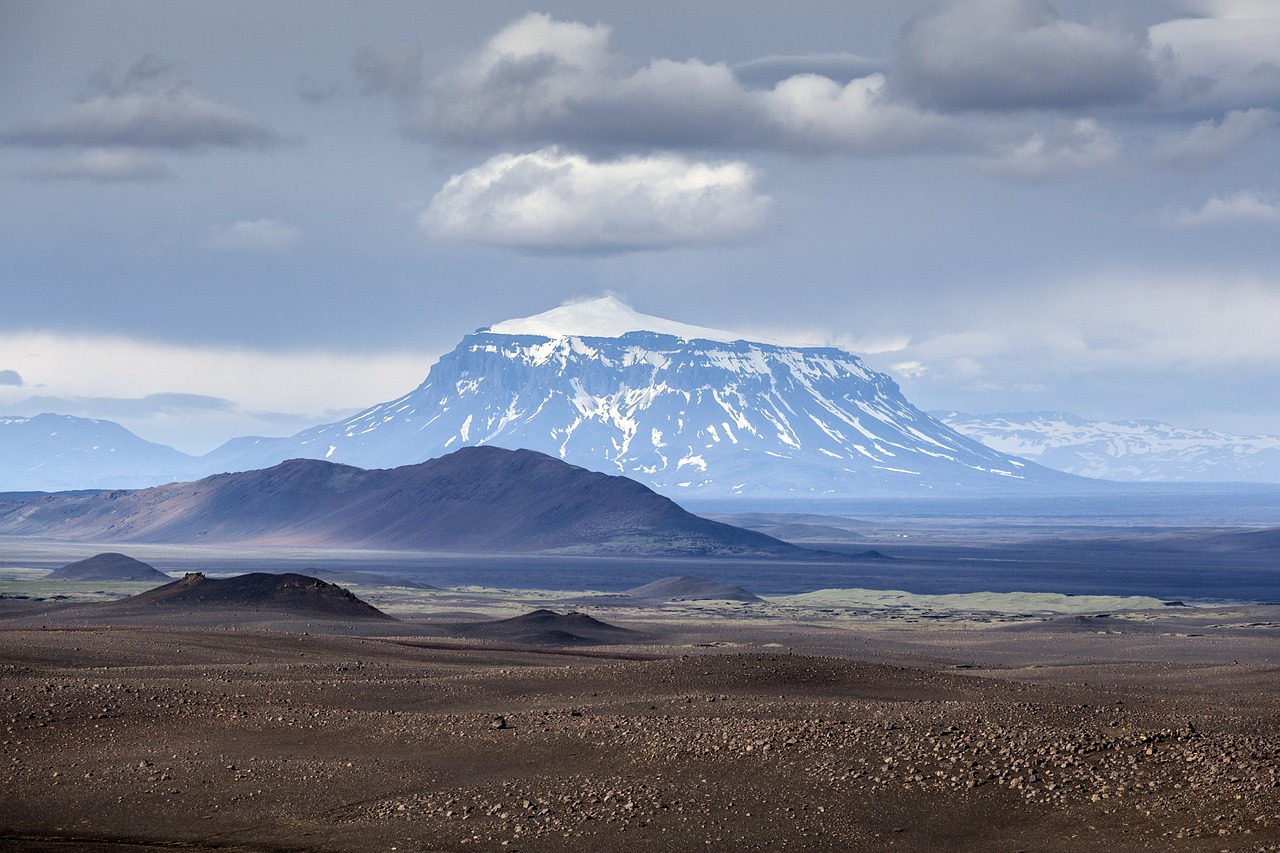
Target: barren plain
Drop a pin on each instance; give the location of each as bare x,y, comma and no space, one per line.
822,722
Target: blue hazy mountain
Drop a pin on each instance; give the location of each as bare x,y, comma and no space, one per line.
686,410
59,452
476,499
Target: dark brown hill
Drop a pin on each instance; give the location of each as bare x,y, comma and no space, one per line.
482,499
287,592
108,567
548,628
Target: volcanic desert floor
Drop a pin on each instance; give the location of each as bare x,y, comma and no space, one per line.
713,731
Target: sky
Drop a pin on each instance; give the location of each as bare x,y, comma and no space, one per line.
229,218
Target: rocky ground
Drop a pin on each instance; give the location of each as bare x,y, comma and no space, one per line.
232,739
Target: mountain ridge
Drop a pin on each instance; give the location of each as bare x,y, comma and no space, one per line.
476,499
692,412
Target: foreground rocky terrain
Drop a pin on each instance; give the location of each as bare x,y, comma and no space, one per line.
202,738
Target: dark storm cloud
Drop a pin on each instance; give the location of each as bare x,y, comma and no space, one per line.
1019,54
140,110
11,378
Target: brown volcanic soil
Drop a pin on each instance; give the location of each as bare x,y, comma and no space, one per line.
235,739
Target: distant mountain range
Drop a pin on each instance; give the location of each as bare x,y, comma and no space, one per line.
477,499
51,453
1125,451
686,410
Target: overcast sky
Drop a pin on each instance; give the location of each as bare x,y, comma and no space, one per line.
224,218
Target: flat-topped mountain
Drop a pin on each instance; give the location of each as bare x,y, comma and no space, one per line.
689,411
478,499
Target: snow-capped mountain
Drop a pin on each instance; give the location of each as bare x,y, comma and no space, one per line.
685,409
53,452
1127,451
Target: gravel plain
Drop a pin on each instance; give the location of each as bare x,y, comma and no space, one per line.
217,733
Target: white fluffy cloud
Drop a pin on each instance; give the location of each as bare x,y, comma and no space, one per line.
1019,54
542,81
1248,207
555,201
1068,148
254,235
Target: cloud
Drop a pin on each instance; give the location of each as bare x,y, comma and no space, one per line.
1019,54
11,378
768,71
123,408
1068,148
227,391
254,235
106,165
554,201
540,81
147,70
316,91
175,118
1248,207
1103,335
1227,57
1210,142
396,70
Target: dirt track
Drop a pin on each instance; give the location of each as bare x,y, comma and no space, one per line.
132,738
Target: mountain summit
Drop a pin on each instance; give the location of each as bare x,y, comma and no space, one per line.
687,410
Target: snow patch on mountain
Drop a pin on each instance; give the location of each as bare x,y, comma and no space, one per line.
605,317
